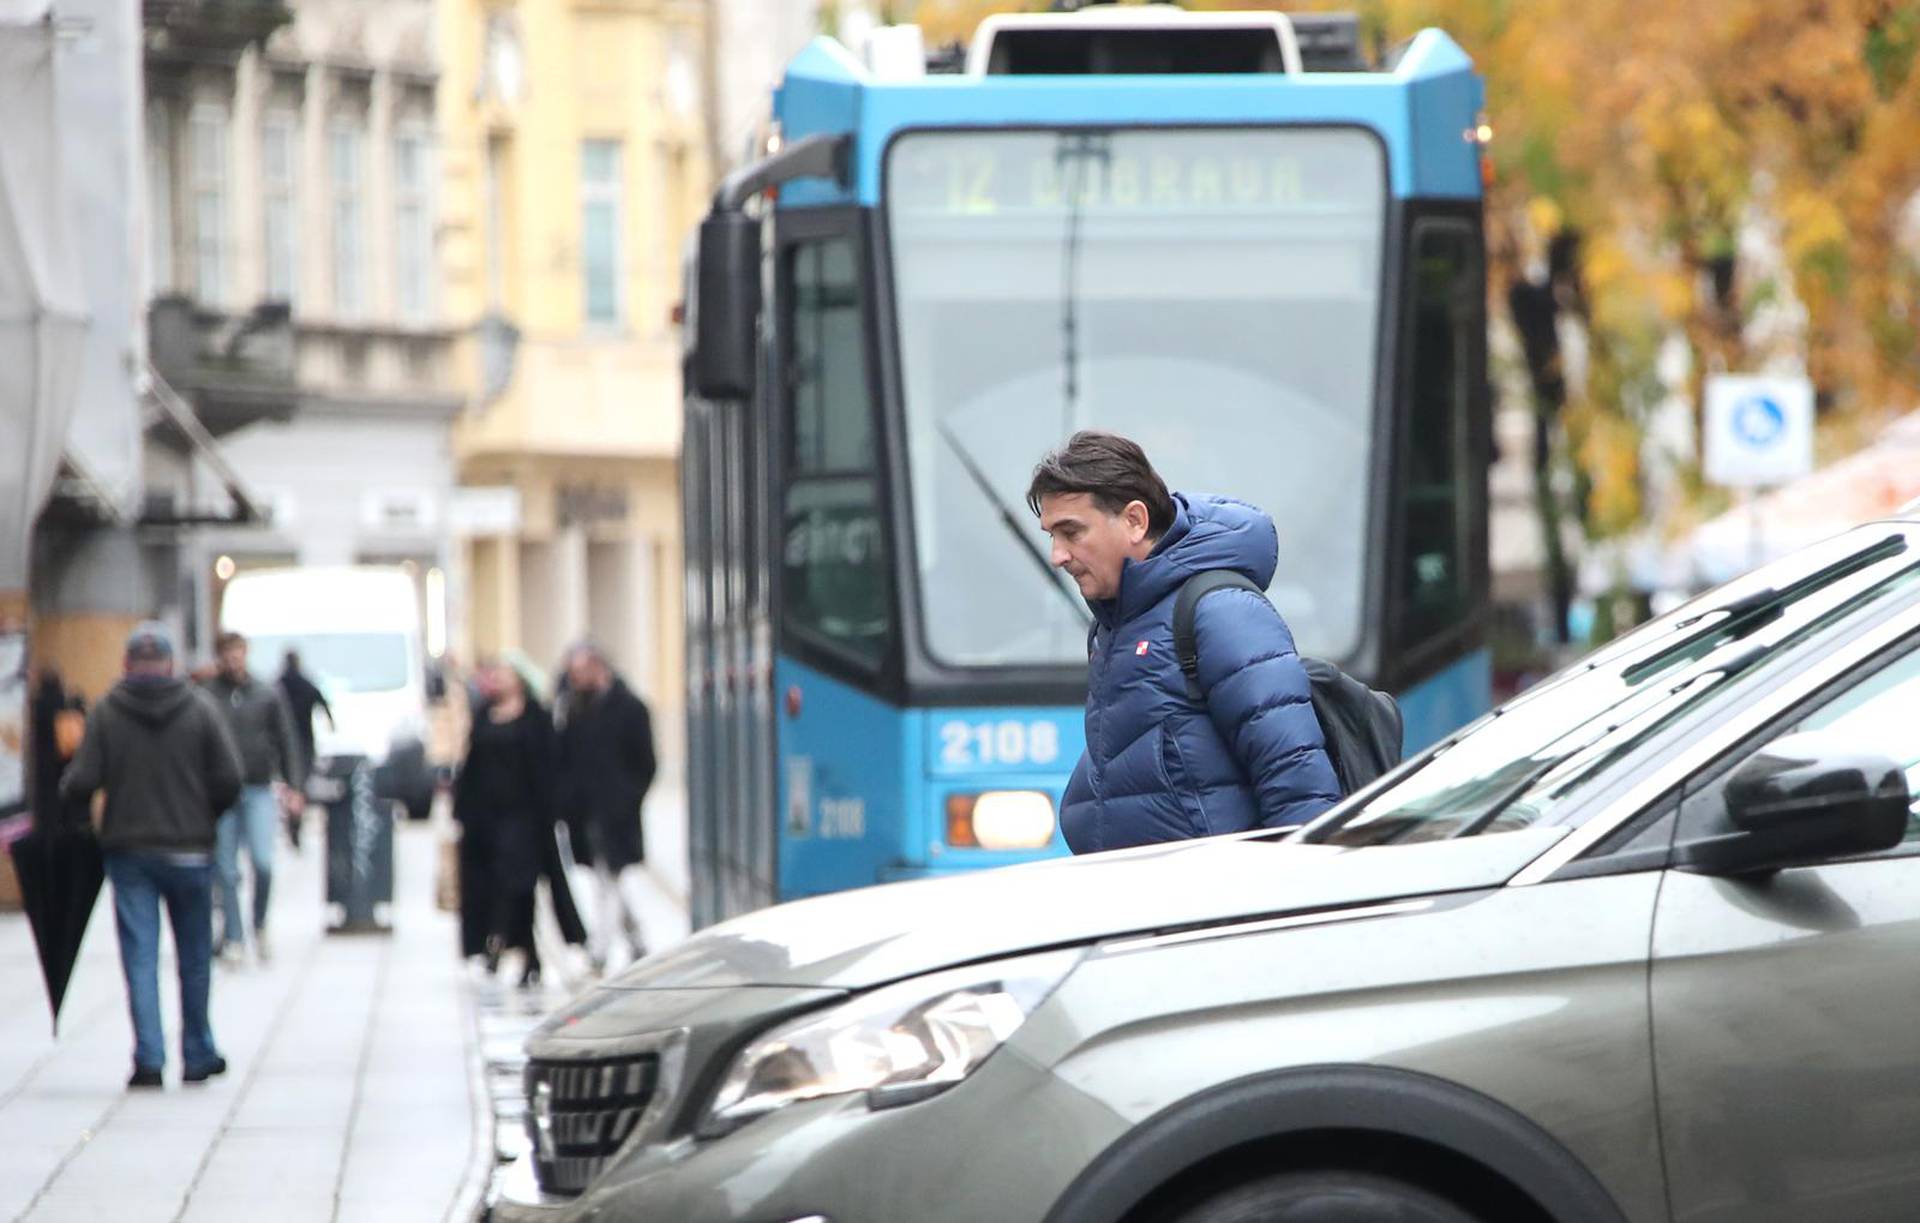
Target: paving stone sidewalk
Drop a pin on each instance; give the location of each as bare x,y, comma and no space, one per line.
354,1092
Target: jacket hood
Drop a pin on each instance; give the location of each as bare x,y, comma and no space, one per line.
153,700
1208,533
868,936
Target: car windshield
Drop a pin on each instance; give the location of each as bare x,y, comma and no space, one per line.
337,662
1212,294
1511,769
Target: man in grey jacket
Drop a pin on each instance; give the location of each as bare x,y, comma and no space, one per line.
160,750
262,729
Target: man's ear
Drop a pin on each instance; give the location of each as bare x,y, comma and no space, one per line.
1139,520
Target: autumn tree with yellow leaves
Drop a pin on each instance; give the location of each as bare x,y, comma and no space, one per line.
1661,141
1683,171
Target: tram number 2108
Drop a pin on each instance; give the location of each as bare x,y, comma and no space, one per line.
966,745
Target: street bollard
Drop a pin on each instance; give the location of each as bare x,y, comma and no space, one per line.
359,850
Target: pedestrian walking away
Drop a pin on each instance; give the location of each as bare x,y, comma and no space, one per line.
607,765
263,731
504,802
1164,762
303,698
167,763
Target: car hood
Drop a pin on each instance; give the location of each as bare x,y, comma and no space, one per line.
852,940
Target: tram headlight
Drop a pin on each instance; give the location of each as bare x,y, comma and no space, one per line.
901,1043
1000,819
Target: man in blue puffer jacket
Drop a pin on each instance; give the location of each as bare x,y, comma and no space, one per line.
1160,766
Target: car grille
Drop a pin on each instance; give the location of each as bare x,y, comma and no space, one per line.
580,1112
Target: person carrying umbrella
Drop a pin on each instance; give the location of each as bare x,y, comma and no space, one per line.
161,751
58,862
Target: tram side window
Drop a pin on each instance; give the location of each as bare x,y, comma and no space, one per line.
1438,463
834,573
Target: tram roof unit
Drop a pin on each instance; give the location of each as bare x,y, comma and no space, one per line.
1425,106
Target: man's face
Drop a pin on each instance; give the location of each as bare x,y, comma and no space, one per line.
585,672
233,659
1091,544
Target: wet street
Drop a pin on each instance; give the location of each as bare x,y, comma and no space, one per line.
371,1077
354,1091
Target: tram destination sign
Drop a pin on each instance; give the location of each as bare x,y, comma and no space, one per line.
985,174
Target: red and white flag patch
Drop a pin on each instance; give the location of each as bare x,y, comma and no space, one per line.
1140,651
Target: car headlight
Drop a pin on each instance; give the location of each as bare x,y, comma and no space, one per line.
898,1044
1000,819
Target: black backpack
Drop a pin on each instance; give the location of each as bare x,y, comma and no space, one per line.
1363,728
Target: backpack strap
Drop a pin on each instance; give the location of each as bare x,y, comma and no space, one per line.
1186,643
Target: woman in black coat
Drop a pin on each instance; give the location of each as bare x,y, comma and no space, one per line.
504,801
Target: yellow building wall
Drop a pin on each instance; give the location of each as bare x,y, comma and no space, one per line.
585,404
593,71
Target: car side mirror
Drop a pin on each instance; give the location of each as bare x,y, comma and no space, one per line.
726,306
1803,799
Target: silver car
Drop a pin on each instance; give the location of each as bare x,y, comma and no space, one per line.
1642,944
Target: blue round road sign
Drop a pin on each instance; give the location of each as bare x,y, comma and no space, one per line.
1758,421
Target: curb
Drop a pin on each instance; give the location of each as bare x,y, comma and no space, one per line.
469,1204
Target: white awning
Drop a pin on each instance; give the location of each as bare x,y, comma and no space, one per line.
1877,481
1873,482
43,319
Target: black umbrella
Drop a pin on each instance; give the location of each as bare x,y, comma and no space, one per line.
58,862
60,874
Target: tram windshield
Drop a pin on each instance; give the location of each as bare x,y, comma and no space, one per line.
1212,293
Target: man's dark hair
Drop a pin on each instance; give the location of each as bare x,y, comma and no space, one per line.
1111,469
226,639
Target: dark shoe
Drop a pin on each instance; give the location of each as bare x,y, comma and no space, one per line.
143,1077
217,1066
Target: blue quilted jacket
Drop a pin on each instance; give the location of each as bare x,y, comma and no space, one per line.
1161,767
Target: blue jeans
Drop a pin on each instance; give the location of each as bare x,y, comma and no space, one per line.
140,882
254,818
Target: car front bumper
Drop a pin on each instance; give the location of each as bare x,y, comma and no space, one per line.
1004,1144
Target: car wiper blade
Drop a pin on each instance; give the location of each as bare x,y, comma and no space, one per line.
1718,667
1758,608
1052,576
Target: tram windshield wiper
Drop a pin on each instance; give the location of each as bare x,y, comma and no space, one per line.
1071,153
1052,576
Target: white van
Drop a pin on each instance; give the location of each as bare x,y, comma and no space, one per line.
357,630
